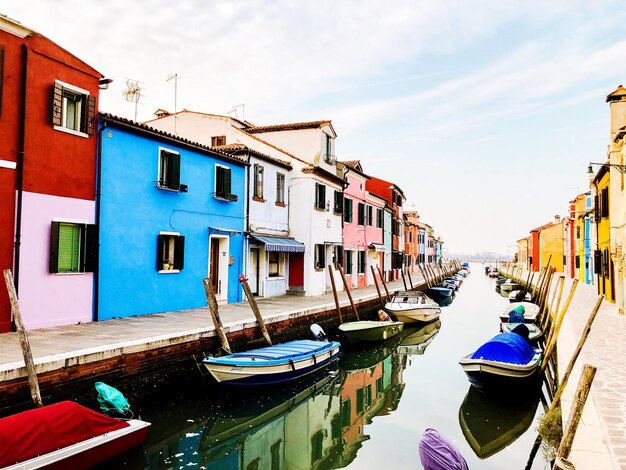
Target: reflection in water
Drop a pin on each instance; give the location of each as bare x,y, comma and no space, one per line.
318,422
416,340
491,423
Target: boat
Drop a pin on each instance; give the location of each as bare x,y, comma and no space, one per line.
509,285
272,364
500,281
437,452
368,331
418,339
439,293
506,361
491,423
520,295
412,307
65,435
531,311
533,333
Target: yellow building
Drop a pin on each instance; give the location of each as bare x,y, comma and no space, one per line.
602,255
551,239
578,219
523,253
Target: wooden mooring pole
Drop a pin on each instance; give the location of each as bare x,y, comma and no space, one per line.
426,279
382,279
332,283
255,308
403,278
554,333
23,337
408,274
380,297
347,288
211,301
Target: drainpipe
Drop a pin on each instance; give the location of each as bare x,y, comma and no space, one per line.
20,170
96,273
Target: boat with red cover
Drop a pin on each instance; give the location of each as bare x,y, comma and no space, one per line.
65,435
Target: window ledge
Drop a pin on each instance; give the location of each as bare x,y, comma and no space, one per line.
169,271
276,278
71,131
258,199
280,204
167,188
319,210
68,274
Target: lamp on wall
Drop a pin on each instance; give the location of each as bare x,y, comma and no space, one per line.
620,168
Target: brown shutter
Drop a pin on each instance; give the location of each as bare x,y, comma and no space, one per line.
91,115
57,104
91,248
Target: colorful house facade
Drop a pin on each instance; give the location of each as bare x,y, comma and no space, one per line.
47,178
411,240
171,213
551,246
377,252
603,263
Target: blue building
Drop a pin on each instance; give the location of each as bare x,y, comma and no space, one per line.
171,213
588,254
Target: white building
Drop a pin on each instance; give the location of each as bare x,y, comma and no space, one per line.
314,199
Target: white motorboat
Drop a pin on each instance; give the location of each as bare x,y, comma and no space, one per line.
412,307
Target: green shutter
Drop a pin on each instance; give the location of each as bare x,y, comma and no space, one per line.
227,182
69,248
53,266
173,179
179,253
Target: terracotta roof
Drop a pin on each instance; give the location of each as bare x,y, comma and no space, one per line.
237,147
294,126
316,170
167,136
543,227
355,166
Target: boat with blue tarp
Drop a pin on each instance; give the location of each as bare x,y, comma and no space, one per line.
506,360
272,364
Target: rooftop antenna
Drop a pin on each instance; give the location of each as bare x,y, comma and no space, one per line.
132,93
175,78
243,111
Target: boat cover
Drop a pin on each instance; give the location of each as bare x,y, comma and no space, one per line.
506,347
438,453
517,314
36,432
278,353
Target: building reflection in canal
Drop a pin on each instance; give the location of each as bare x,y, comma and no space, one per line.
316,423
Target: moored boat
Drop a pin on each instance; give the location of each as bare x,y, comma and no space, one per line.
509,285
369,331
439,293
418,339
65,435
531,311
506,361
533,333
520,295
412,307
272,364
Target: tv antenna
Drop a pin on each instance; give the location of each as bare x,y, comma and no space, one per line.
175,78
132,93
243,111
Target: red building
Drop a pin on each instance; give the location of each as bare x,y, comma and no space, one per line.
48,109
395,198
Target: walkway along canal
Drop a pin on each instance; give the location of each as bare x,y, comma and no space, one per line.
369,411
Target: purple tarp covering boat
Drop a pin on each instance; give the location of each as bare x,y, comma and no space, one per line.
438,453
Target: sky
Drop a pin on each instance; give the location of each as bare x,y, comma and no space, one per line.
485,113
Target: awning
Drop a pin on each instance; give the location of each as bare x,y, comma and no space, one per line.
222,231
378,247
280,244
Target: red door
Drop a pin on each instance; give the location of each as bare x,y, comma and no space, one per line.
296,269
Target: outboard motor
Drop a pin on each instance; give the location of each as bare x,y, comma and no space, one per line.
318,333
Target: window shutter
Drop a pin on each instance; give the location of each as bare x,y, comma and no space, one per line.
227,181
350,211
219,181
91,249
159,252
69,256
91,115
596,207
174,177
597,262
57,104
53,266
179,253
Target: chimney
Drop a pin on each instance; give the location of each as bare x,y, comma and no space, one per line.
557,219
617,102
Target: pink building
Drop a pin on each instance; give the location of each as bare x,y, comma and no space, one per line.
377,251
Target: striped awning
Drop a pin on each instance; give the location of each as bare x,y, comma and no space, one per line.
280,244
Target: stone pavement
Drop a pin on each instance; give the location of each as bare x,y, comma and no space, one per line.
58,347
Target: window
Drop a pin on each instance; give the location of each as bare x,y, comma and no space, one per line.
379,218
604,203
320,196
73,109
328,155
320,256
73,248
223,184
360,400
577,231
338,255
361,213
577,261
348,264
361,262
317,446
218,140
347,210
275,456
346,413
169,170
258,181
338,207
276,264
280,188
170,252
370,215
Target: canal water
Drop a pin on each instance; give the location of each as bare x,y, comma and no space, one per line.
367,412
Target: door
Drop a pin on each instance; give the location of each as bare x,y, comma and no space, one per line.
296,269
253,274
214,264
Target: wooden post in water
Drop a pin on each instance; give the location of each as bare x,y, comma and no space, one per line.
255,308
551,343
574,357
550,316
403,278
380,297
347,288
23,337
332,282
582,392
426,280
215,314
382,279
408,274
